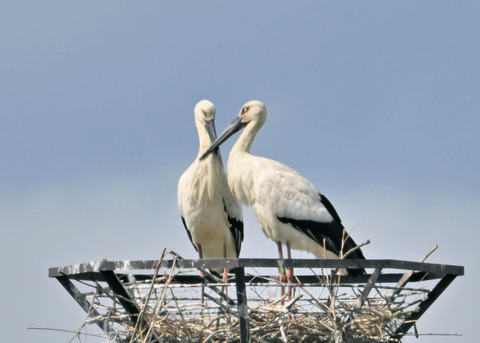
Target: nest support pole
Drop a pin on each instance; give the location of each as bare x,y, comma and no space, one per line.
242,305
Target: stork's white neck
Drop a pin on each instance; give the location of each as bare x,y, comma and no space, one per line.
244,142
203,139
240,164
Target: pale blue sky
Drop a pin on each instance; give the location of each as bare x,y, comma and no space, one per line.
377,103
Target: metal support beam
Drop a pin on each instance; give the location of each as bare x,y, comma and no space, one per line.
422,308
209,278
87,269
242,305
368,287
127,302
81,299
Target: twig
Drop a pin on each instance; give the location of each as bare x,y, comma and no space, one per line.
356,248
403,281
68,331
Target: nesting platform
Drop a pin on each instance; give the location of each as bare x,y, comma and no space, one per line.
166,300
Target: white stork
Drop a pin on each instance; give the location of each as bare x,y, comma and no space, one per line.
210,213
289,208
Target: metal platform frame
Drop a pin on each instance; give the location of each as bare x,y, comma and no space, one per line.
114,273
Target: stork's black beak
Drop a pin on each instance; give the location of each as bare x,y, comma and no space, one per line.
210,126
234,127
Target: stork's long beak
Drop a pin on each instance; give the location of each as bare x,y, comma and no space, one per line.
234,127
210,126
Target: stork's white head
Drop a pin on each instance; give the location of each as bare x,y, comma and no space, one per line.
204,111
205,118
252,115
253,111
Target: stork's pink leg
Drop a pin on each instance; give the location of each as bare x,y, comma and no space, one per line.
225,271
282,277
289,271
200,256
202,274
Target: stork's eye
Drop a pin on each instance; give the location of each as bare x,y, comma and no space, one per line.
204,113
245,109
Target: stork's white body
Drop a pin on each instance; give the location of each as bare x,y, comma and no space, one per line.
275,190
210,213
205,203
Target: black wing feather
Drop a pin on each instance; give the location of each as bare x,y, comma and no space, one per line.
188,232
329,234
236,228
328,205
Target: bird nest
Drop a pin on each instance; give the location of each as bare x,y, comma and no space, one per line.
177,305
305,318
